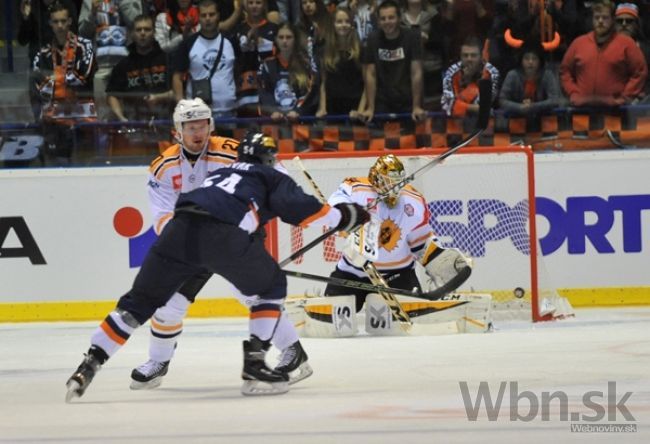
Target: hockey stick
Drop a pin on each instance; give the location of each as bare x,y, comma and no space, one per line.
359,285
312,182
399,314
485,104
617,142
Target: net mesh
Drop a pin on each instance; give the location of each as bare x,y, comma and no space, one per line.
478,203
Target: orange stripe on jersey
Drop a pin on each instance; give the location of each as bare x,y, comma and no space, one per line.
254,213
171,152
317,215
265,314
402,262
420,240
175,162
162,222
356,180
111,334
360,187
161,327
413,193
221,161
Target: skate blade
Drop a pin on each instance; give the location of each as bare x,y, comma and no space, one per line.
72,393
262,388
304,371
148,385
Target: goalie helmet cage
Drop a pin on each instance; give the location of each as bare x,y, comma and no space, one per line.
482,201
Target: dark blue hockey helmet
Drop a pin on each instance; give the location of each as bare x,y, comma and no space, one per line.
257,147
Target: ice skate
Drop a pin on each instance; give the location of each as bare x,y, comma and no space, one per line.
82,377
149,375
293,361
258,378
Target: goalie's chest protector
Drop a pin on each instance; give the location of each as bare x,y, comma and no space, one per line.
404,229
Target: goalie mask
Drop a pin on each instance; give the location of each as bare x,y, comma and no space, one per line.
190,110
384,175
257,148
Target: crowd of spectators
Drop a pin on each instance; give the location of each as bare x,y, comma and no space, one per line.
131,60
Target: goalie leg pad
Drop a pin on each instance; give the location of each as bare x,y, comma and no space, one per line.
379,318
470,312
455,313
448,269
330,317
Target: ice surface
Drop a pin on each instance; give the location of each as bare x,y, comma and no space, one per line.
364,389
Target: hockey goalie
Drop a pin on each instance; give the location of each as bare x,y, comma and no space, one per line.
385,252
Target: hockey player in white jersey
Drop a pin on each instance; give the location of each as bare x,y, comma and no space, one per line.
182,168
405,235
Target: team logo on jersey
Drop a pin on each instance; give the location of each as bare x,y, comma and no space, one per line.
408,209
389,235
177,182
209,59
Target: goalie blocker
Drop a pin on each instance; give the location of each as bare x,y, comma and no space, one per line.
336,317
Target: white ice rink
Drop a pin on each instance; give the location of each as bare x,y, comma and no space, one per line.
364,389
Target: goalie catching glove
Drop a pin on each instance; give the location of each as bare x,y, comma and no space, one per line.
352,215
448,268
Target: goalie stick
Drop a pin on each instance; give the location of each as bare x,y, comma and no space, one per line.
485,103
398,313
429,295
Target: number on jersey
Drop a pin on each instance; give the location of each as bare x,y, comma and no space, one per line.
228,184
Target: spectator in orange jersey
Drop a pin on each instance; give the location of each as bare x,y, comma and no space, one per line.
61,84
460,83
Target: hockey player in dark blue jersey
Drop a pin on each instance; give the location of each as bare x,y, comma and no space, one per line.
212,232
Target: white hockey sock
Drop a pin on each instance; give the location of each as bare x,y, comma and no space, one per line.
166,326
263,319
114,331
285,333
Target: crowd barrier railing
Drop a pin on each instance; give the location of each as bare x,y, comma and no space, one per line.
562,129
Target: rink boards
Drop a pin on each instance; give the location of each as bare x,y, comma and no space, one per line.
71,241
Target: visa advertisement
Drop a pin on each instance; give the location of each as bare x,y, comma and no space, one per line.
81,234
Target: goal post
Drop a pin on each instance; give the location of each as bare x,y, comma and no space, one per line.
481,201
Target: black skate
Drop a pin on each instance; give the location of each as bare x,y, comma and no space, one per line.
149,375
82,377
293,361
258,378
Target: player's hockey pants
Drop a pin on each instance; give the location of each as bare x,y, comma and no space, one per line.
192,244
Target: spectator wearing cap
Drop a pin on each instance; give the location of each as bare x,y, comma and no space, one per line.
628,21
603,67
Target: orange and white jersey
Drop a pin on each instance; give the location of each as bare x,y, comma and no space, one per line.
405,233
172,173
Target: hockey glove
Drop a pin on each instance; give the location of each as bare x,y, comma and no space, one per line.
448,268
352,215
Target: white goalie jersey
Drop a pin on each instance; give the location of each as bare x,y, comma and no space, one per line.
405,233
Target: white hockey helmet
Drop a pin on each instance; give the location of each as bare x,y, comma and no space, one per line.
189,110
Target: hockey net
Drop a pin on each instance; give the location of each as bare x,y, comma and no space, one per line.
481,201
